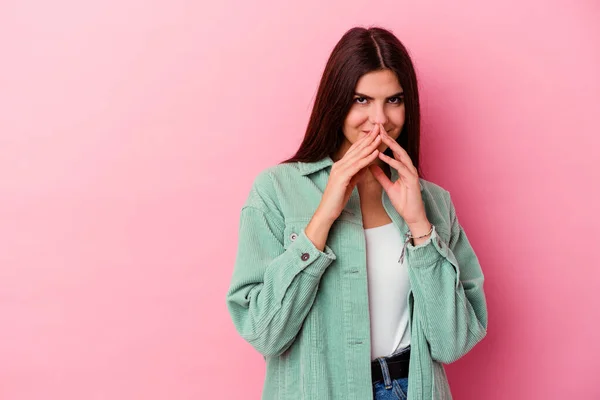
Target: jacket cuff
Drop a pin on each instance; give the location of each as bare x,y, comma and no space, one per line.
310,260
430,252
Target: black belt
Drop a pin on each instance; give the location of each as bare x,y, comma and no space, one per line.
397,366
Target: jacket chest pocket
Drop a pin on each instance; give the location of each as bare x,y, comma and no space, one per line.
293,229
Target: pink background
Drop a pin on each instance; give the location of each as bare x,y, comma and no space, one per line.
131,131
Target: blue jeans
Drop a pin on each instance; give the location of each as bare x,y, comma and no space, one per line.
390,389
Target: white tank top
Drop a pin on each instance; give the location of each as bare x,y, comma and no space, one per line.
388,290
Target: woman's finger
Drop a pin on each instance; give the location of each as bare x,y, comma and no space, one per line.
363,141
398,151
359,154
352,162
402,169
381,177
363,162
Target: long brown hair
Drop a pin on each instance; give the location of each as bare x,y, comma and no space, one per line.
358,52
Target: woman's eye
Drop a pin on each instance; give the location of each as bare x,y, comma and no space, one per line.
396,100
359,100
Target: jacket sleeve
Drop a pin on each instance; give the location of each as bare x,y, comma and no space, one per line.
272,288
447,281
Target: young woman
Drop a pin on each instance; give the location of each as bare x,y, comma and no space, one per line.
353,276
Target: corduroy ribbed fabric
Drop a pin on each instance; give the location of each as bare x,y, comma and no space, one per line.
306,311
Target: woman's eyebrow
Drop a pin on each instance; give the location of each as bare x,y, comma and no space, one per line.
399,94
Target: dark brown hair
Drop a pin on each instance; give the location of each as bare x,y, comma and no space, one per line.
358,52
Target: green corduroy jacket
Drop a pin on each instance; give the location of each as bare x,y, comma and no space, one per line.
306,311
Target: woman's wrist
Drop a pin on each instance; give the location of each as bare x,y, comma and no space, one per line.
420,232
317,230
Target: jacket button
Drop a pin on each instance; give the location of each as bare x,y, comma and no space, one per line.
293,236
305,256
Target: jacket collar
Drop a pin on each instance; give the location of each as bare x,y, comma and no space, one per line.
307,168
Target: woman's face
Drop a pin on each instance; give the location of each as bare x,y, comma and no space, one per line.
378,99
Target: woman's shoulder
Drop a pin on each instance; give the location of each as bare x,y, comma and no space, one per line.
437,200
278,171
439,207
269,176
269,183
432,189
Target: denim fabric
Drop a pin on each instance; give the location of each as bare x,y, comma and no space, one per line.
398,391
390,389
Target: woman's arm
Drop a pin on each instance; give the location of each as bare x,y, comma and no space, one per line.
272,288
447,281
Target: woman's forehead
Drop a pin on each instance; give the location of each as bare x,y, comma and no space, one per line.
378,84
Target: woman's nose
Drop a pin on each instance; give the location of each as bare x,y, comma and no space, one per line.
379,117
